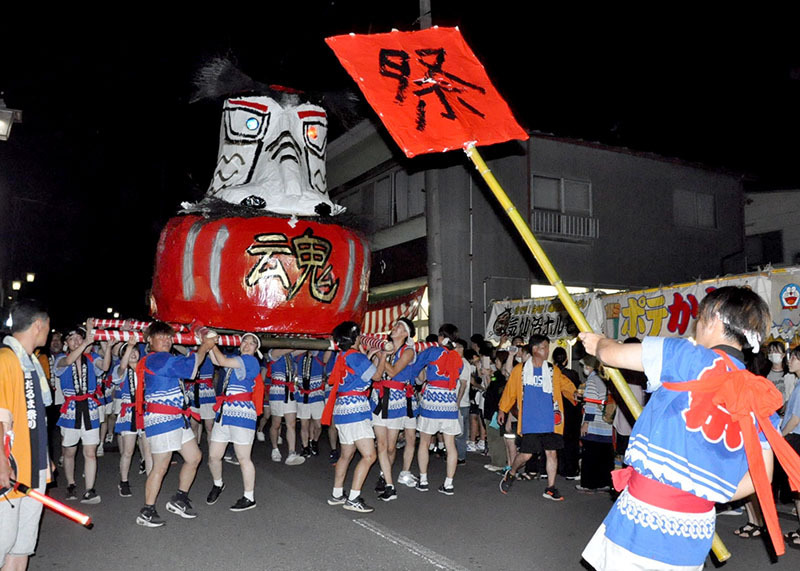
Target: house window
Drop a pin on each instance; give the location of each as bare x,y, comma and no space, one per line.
563,207
694,209
387,199
763,249
563,195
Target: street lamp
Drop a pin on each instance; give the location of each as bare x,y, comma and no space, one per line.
29,277
7,118
16,285
116,315
109,310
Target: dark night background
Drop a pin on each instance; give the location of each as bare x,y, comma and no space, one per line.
109,145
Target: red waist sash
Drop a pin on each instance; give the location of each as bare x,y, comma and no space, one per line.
77,398
159,408
657,494
232,398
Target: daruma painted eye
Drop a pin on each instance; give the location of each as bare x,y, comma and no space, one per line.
312,132
252,123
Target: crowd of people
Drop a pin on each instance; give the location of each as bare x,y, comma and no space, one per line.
449,396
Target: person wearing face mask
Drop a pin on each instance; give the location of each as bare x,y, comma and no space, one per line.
776,353
537,391
596,431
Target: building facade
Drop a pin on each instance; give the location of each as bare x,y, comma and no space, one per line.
606,217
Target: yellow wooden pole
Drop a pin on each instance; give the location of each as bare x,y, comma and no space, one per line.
574,311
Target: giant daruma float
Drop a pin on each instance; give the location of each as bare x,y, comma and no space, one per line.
260,274
226,265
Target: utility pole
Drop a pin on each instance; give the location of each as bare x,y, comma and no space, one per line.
433,219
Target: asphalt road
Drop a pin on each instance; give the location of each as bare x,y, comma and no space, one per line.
293,527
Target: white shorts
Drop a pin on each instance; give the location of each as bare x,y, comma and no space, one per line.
19,523
171,441
132,432
352,431
399,423
434,425
235,434
116,406
71,436
206,411
310,410
280,408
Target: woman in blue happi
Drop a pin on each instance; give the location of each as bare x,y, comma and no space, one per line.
236,418
350,407
687,450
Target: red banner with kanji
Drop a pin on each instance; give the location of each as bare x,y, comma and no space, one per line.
428,88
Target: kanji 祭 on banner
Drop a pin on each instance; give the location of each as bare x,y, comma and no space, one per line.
429,89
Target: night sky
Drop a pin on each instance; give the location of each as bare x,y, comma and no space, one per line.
110,146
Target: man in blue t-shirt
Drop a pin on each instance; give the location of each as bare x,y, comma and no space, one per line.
530,387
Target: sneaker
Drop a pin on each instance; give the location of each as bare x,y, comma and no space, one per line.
306,452
124,489
142,467
100,451
407,479
480,445
293,459
401,443
493,468
91,497
213,495
553,494
181,507
505,483
461,461
72,492
231,459
276,455
471,447
389,494
380,486
422,486
260,436
333,458
358,505
243,504
585,490
575,477
314,445
337,500
543,476
732,511
148,517
441,453
447,491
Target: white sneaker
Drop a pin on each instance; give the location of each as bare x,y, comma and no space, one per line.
407,479
260,436
276,455
480,445
100,451
293,459
471,447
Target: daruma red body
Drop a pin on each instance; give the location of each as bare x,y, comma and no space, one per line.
260,274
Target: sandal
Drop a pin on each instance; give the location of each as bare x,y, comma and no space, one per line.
749,531
793,539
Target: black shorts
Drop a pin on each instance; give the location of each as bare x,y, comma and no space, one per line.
794,441
474,408
536,442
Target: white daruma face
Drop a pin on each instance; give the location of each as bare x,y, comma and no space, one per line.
272,156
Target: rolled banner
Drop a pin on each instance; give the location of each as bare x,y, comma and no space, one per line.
380,343
55,505
178,338
135,325
385,344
